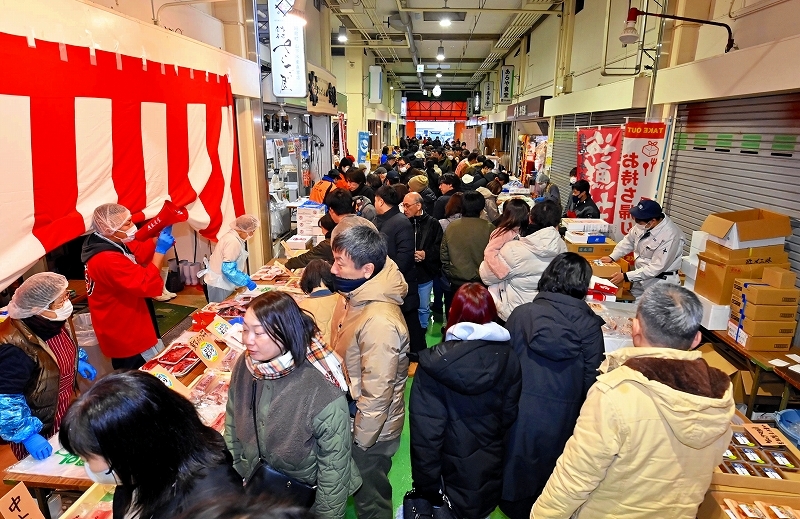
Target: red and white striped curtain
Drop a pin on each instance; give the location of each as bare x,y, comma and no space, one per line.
80,128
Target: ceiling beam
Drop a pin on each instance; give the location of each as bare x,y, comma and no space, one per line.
432,36
541,8
433,62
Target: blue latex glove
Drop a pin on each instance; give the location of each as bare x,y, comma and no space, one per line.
165,240
540,199
38,446
86,370
236,320
251,285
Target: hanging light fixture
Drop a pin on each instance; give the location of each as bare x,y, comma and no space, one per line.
425,92
391,87
439,71
297,13
342,34
445,20
440,52
437,89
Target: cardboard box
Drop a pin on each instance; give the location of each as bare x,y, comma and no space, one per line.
592,250
770,255
604,270
713,506
748,228
584,237
755,312
767,295
715,277
758,343
715,317
768,328
715,360
779,278
299,242
740,284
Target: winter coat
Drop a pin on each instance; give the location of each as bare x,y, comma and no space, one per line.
399,234
29,378
370,334
559,342
462,249
212,482
428,237
583,209
445,222
440,204
364,190
303,431
653,428
463,401
321,189
527,258
365,208
117,288
428,200
320,304
322,251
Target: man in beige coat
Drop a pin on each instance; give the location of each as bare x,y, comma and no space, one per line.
369,332
653,427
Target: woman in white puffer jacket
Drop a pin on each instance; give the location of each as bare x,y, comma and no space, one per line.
527,258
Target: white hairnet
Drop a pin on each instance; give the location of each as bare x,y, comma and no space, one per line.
108,218
36,294
246,223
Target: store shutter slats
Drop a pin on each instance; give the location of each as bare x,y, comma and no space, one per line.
737,154
565,147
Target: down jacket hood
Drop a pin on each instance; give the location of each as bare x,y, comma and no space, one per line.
560,320
682,386
545,243
387,286
472,364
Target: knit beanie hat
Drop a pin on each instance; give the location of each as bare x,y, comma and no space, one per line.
418,183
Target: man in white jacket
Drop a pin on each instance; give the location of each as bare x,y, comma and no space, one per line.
653,427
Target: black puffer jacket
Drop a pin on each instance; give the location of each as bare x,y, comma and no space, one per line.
400,240
463,401
428,237
559,343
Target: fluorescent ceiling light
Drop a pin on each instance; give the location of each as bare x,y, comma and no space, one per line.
440,53
342,34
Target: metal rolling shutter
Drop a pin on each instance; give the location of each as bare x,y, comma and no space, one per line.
565,146
736,154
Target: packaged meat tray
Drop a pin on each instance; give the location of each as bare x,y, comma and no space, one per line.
185,365
174,354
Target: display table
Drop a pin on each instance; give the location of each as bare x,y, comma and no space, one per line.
792,384
758,363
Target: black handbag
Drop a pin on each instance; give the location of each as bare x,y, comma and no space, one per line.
265,479
425,505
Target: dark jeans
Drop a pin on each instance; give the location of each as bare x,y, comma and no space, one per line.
374,499
416,336
438,295
135,362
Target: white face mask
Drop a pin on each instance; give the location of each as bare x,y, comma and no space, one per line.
62,314
104,478
403,169
572,180
642,226
129,234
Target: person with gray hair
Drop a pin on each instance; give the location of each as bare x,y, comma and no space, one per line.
657,413
370,334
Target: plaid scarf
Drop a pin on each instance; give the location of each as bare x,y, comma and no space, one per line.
318,353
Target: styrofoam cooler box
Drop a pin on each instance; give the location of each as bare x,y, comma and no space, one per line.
317,239
688,284
689,266
585,224
715,317
298,242
699,239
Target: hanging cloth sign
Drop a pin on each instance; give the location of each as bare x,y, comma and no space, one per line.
598,163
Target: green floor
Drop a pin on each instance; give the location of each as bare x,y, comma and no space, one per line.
400,475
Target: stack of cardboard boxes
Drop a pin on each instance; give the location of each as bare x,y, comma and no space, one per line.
584,237
690,262
308,216
739,244
763,311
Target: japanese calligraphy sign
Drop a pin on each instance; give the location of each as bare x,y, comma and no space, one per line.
18,504
640,164
598,162
287,49
488,96
506,84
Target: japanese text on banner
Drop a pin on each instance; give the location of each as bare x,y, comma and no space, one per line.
598,163
642,150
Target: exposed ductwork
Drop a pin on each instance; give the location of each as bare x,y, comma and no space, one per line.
412,46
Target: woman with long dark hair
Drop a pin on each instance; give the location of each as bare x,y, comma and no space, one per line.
134,432
463,401
523,260
559,342
291,385
511,225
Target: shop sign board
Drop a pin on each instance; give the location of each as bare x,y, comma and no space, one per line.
287,51
476,103
506,84
322,95
641,160
599,151
363,147
470,109
488,96
403,106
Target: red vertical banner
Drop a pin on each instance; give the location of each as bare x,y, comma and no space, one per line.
599,151
642,155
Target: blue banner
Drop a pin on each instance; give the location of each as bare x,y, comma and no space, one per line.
363,147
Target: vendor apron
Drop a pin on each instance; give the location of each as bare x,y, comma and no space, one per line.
218,279
65,353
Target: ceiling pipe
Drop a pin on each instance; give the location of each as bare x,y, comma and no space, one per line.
412,46
539,9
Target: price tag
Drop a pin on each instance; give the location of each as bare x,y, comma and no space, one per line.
169,380
206,348
18,504
765,435
219,327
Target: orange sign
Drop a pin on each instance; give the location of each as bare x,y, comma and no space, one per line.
18,504
644,130
765,435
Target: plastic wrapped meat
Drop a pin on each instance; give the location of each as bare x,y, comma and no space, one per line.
184,366
175,354
150,365
220,393
229,360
